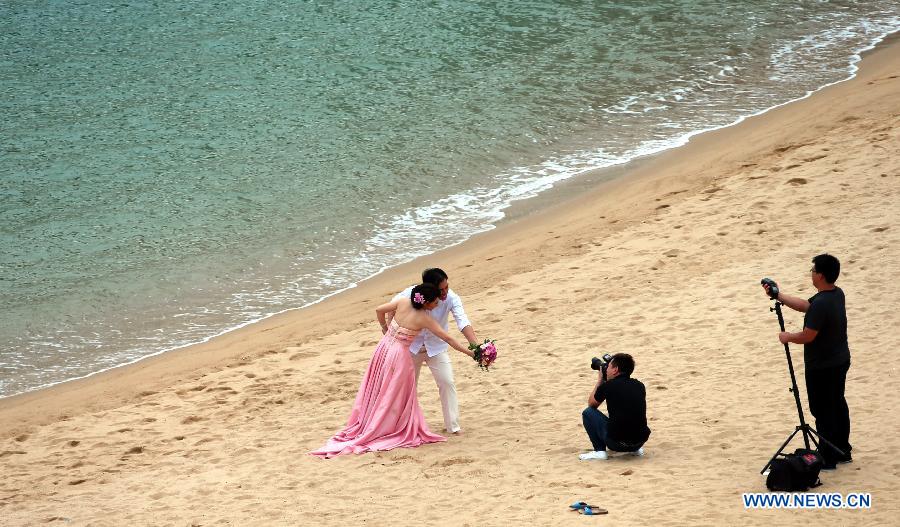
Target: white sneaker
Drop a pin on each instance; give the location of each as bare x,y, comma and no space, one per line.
638,453
596,454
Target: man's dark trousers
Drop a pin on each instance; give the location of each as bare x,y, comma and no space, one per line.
596,425
825,389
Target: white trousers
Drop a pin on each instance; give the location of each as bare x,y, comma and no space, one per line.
442,370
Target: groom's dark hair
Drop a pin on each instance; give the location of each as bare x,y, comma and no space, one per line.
433,276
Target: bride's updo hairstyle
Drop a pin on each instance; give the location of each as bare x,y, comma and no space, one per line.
423,294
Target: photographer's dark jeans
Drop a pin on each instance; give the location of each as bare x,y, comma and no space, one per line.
825,389
595,423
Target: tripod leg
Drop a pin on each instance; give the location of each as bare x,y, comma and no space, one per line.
812,431
811,438
788,440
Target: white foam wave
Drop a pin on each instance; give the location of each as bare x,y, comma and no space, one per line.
788,61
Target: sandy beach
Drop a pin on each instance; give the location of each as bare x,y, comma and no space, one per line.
663,263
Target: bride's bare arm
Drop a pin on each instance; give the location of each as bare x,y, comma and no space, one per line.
382,311
432,326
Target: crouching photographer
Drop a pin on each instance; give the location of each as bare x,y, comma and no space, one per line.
625,430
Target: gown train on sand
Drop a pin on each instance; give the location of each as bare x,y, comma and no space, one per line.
386,412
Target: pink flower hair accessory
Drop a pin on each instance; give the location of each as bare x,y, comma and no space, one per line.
418,298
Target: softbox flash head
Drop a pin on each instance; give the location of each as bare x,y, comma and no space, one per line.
773,287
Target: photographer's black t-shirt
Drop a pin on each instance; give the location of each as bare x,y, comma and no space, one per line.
827,314
626,401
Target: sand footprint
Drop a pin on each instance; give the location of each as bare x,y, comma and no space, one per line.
788,148
454,461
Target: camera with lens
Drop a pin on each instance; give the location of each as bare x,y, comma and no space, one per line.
601,364
773,287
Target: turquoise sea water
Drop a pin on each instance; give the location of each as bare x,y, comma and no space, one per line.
170,170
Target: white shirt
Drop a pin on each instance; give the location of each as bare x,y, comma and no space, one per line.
433,344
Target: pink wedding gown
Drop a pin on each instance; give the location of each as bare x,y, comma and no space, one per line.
386,413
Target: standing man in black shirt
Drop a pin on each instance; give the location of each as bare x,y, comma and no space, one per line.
826,355
625,430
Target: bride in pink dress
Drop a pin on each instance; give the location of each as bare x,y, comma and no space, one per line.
386,413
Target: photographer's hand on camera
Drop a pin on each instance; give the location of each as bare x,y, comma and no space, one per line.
605,375
593,402
602,378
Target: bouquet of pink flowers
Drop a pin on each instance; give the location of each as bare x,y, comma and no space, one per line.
485,354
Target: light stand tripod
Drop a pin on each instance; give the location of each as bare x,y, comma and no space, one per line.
809,433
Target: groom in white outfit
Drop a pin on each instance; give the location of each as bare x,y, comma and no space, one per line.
428,348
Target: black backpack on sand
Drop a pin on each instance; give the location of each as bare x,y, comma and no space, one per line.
795,472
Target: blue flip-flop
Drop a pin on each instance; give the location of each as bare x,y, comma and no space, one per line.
580,505
589,510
